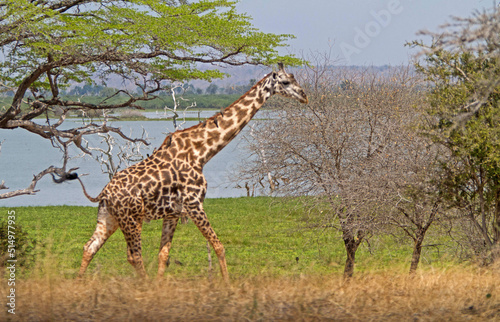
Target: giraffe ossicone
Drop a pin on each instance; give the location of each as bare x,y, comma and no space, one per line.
170,183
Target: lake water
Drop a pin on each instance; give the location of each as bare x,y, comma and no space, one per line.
24,154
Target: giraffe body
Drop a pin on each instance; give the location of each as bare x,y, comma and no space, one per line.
170,182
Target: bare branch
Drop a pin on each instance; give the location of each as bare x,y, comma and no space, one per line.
30,190
126,155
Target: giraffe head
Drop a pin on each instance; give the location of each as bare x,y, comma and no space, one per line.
285,85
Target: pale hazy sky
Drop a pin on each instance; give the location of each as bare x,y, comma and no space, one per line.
361,32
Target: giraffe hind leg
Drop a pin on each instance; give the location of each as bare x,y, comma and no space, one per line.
132,234
106,226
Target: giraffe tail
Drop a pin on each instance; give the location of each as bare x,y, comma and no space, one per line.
96,199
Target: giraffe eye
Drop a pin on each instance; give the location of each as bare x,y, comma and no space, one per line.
286,83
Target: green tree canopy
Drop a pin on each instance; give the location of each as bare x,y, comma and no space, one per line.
463,66
49,45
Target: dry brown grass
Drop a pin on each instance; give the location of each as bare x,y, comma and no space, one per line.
430,296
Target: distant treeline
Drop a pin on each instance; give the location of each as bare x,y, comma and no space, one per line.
213,96
183,100
186,95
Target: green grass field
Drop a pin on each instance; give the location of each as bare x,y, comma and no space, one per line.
262,236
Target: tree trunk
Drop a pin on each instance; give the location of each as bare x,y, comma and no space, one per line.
495,248
496,223
417,250
495,252
351,246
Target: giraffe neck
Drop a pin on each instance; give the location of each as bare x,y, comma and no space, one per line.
203,141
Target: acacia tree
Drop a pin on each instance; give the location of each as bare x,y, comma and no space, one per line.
49,45
463,65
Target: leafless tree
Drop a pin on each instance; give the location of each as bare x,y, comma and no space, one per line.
177,106
353,151
409,181
111,162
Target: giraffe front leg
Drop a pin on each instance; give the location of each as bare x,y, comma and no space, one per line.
200,219
167,235
106,226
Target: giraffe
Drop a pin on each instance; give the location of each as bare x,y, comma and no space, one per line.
170,183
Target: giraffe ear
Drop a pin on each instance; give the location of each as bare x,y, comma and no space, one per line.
274,75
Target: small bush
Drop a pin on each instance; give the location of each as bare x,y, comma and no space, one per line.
22,244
